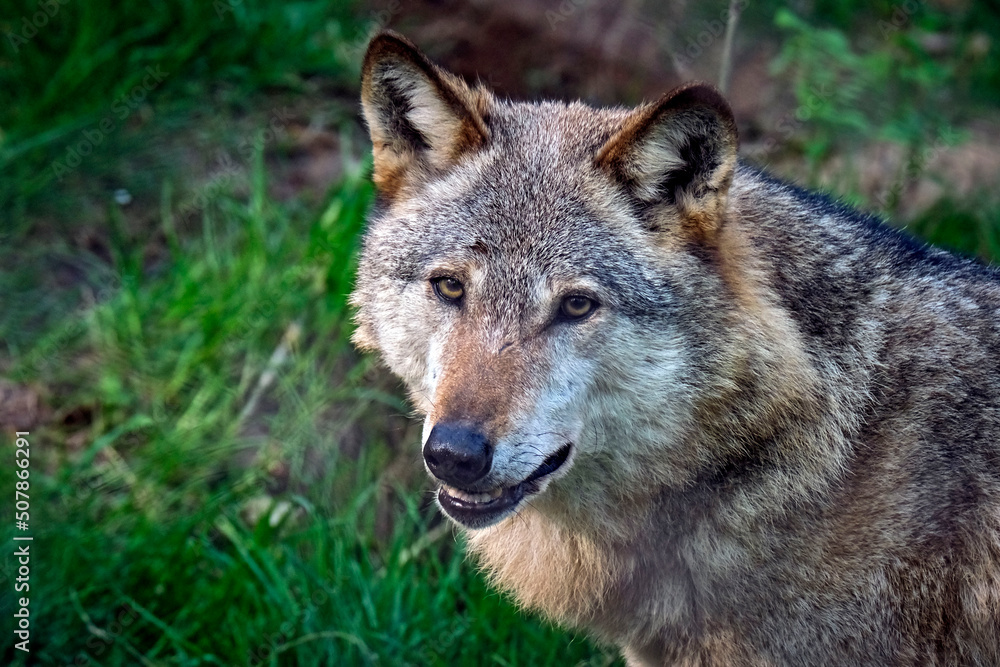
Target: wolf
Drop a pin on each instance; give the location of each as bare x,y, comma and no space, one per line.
707,416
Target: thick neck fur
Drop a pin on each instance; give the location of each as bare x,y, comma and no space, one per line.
784,421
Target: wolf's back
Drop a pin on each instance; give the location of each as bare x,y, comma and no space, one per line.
907,338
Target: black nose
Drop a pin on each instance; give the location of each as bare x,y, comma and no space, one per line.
458,454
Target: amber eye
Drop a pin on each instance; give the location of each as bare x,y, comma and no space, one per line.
448,288
577,307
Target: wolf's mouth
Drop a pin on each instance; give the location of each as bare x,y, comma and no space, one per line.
479,510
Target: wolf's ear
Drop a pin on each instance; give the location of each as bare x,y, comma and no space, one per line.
680,150
419,116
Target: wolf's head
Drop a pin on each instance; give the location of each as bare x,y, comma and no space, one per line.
543,278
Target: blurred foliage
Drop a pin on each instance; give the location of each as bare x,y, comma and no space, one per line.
894,94
67,64
967,31
971,228
907,73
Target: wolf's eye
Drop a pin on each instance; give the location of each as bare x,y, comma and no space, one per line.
576,307
448,288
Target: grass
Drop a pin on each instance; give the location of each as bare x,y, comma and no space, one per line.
185,511
219,478
91,61
162,539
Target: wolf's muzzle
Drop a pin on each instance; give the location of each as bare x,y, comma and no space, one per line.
458,454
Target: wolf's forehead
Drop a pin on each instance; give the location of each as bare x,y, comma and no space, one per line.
521,213
524,210
530,236
537,176
551,135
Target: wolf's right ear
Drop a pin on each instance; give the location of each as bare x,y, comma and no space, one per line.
419,116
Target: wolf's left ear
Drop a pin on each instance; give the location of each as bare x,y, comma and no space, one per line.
680,150
420,117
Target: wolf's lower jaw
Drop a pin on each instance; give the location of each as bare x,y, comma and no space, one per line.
481,510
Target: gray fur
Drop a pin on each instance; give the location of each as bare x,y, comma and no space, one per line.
784,416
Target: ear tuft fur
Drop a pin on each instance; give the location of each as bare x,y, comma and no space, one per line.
680,150
419,116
